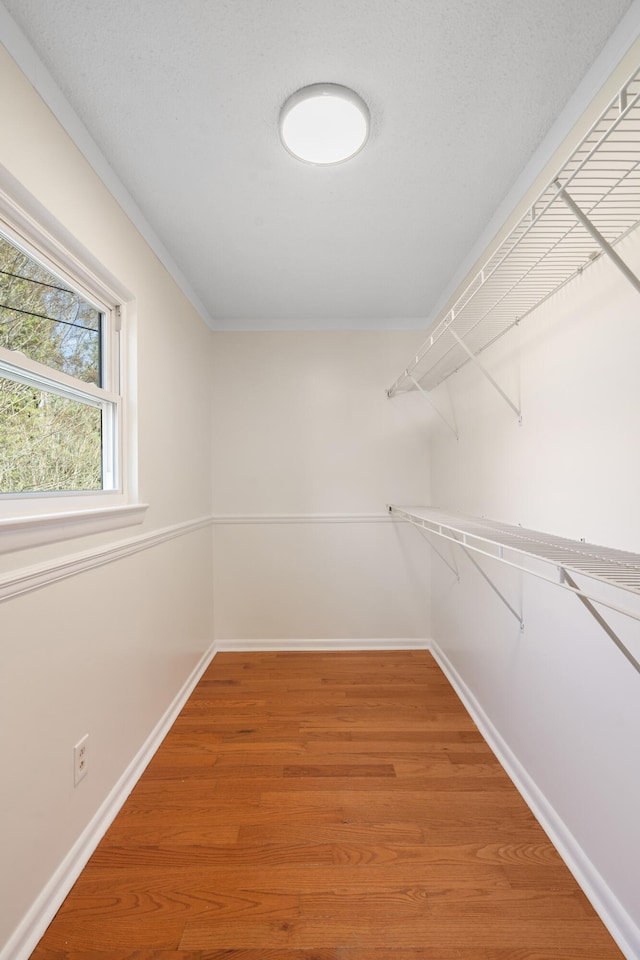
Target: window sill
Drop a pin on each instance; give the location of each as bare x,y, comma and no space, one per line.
21,533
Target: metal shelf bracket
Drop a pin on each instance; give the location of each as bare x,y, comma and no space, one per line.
486,374
566,578
424,393
482,572
604,245
486,576
449,564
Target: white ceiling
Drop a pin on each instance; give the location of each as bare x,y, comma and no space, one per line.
183,96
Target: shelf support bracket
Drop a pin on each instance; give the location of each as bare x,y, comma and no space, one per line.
486,374
566,578
493,587
604,245
451,566
433,406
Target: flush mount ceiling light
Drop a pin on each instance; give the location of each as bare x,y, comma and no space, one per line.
324,123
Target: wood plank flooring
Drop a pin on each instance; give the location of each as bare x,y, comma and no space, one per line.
325,806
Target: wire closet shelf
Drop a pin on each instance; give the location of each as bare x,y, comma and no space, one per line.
589,206
527,549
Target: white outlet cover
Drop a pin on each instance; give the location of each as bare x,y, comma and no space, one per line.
80,758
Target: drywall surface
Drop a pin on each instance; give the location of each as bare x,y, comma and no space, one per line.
104,652
561,695
305,436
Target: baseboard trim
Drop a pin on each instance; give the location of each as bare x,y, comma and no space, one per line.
30,930
283,646
616,919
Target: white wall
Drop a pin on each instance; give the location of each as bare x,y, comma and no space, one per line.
104,652
299,424
302,426
561,695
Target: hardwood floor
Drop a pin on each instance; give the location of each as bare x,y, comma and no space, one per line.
325,806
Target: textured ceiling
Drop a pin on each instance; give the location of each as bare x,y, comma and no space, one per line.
183,96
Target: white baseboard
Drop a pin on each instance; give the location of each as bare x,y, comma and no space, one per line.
26,936
616,919
385,643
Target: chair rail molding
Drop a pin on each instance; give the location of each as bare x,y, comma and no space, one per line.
34,577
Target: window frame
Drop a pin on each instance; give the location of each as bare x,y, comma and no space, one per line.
35,518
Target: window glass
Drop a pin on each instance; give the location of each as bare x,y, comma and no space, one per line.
47,442
59,424
44,319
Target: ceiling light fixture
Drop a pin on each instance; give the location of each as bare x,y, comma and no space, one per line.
324,123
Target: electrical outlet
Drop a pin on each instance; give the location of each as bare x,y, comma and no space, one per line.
80,758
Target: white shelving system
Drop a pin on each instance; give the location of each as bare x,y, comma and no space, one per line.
556,560
588,207
591,204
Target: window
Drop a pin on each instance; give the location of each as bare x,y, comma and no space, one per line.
58,419
62,416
